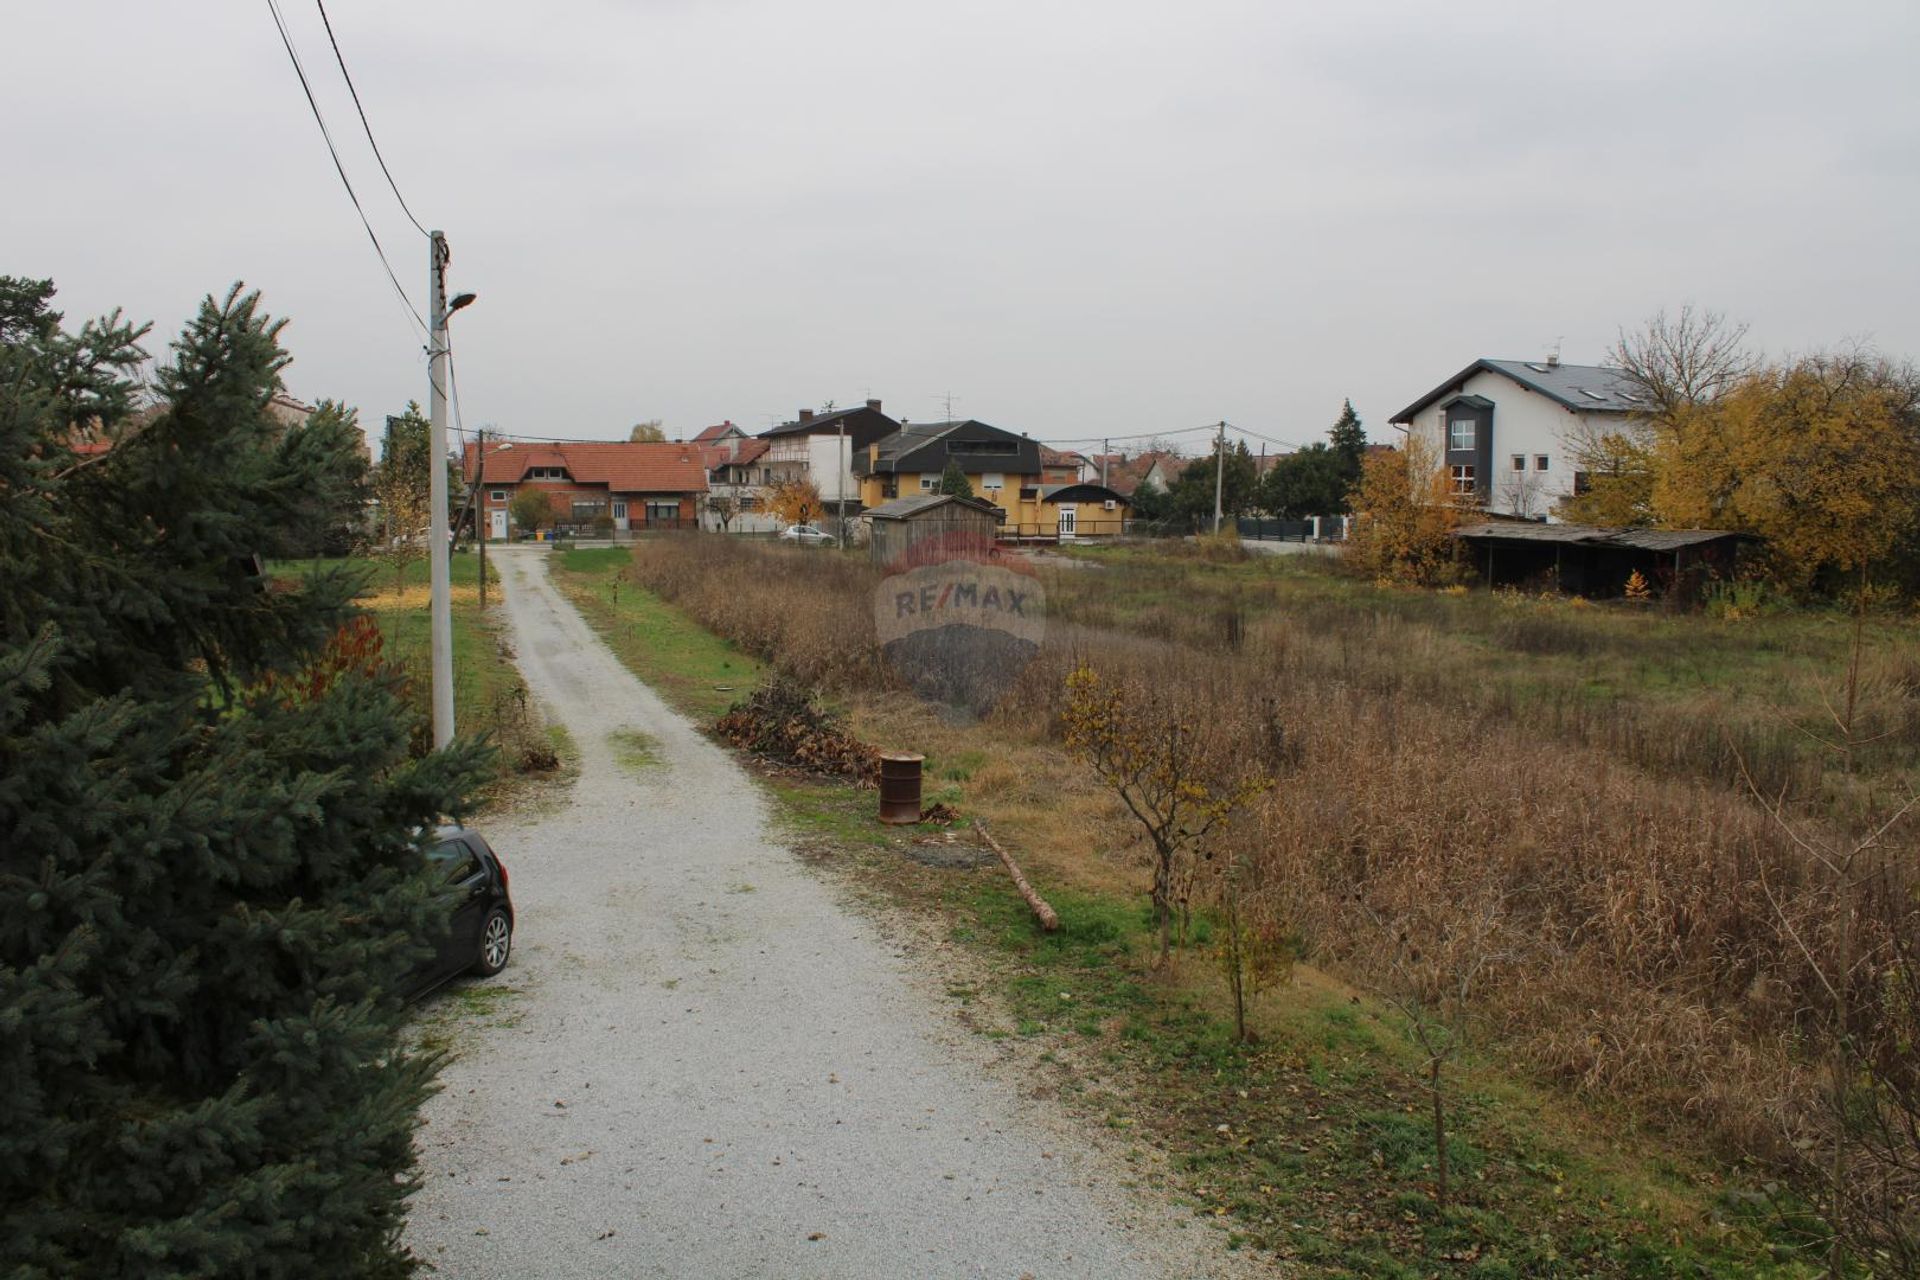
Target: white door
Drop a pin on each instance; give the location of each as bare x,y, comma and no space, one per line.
1066,523
498,522
619,514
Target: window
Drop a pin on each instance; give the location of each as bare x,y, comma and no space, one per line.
993,481
1519,462
499,495
663,512
1582,484
1463,480
457,862
927,483
1460,434
586,509
1539,462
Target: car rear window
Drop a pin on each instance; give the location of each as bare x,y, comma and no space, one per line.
459,862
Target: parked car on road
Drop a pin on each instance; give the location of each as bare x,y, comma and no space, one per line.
481,910
806,535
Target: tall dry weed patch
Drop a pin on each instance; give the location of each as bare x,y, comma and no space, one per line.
1660,940
803,611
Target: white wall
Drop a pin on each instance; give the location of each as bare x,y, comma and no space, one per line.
1527,423
830,463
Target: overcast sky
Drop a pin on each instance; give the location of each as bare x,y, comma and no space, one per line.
1079,219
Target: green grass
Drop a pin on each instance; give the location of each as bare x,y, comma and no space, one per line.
698,673
635,751
1326,1155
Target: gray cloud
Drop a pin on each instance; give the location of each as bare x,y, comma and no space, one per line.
1079,218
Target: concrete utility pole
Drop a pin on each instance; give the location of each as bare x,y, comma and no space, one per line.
481,526
1219,472
1104,446
439,568
843,463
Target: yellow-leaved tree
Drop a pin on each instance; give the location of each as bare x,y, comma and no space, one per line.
795,500
1820,456
1180,775
1406,515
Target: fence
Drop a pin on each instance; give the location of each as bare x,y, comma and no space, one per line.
1312,529
1070,531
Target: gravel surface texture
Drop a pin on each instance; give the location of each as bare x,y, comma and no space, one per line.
702,1062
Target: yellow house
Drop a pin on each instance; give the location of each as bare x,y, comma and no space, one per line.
1003,468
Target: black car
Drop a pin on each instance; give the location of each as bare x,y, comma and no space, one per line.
481,936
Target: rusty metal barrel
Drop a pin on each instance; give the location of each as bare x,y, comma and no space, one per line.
900,786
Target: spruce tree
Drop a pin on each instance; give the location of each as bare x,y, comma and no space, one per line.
210,829
1348,436
954,481
323,465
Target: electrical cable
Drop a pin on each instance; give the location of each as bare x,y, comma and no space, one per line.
348,77
1145,435
313,105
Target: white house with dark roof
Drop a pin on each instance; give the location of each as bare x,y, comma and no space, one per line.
1503,429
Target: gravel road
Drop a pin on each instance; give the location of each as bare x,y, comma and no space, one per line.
709,1065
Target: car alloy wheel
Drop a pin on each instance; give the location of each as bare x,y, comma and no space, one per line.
495,943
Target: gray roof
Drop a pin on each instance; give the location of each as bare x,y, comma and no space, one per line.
1586,388
1595,536
914,504
910,437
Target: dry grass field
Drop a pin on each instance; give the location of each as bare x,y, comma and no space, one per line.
1577,838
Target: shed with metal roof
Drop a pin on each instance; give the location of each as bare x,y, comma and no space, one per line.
1589,560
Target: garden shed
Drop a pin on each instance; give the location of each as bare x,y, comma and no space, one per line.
1589,561
926,527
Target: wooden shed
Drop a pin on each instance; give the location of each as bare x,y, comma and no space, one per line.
929,527
1590,561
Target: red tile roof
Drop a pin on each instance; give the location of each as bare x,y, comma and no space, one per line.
621,467
715,432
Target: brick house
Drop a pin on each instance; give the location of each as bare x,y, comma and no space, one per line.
618,487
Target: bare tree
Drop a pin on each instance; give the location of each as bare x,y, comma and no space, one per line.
1437,956
723,506
1692,358
1520,493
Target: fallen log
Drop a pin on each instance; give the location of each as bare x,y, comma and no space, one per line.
1045,914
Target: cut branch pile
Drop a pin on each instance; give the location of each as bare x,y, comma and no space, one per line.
782,722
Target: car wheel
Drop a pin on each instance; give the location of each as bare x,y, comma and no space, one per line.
496,943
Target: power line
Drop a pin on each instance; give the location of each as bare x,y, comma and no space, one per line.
314,106
1284,444
348,77
1145,435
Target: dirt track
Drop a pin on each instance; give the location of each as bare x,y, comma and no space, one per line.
709,1066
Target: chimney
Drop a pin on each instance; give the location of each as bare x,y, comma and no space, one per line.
806,415
1553,359
874,405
